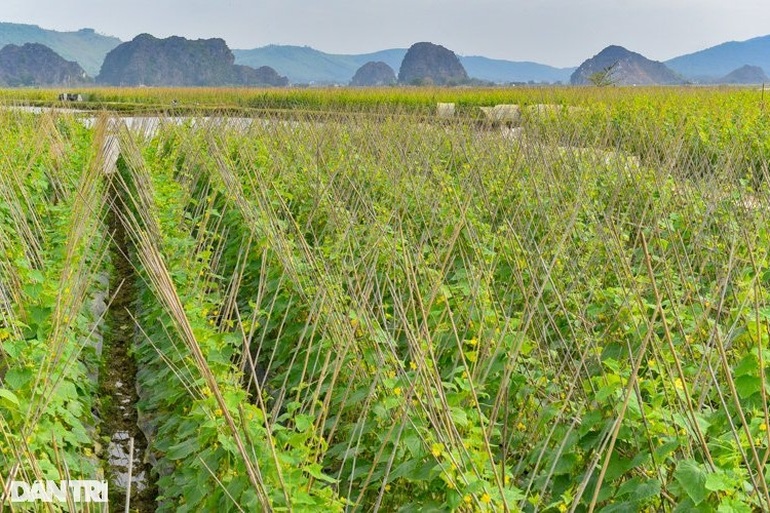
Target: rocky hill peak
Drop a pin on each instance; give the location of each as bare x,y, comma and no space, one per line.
36,65
428,63
176,61
745,75
623,67
374,74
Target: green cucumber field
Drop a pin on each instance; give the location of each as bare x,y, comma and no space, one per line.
337,300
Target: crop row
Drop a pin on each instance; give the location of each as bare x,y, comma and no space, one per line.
52,283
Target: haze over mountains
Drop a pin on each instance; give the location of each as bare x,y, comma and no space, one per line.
303,65
722,59
724,63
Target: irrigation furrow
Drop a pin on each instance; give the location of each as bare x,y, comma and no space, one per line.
127,458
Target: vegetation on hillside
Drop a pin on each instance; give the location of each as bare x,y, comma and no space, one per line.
176,61
36,65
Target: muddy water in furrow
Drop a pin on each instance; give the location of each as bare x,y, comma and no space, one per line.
118,383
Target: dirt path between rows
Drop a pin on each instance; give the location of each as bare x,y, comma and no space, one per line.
117,382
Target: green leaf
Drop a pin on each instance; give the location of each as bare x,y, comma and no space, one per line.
303,422
566,464
639,490
692,478
667,448
414,444
618,466
746,386
13,348
426,471
39,314
17,378
647,490
35,276
9,396
453,500
459,416
628,487
315,471
302,498
625,507
227,443
733,506
606,392
406,470
182,449
717,481
513,495
748,366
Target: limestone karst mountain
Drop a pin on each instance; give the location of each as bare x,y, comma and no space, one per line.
624,67
428,63
36,65
374,74
176,61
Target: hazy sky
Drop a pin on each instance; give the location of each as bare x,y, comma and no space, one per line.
556,32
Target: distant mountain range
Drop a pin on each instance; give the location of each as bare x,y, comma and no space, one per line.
717,61
86,46
302,64
502,71
305,65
